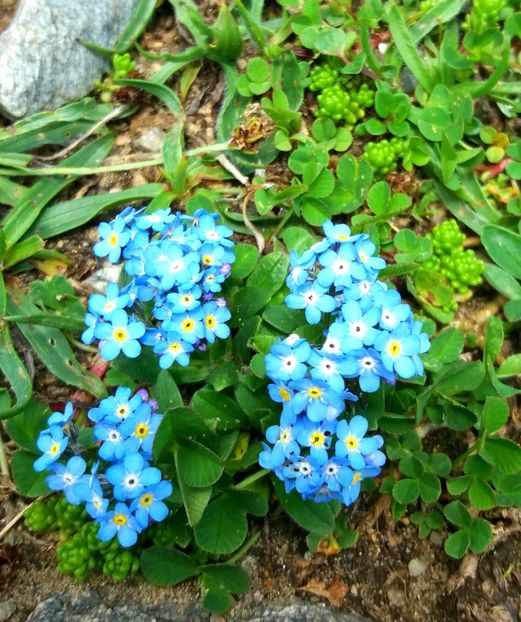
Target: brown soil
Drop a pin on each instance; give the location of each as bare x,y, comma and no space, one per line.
371,578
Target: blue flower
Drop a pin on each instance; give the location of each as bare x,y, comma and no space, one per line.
140,429
120,335
132,476
88,490
184,300
115,408
317,398
340,267
300,266
279,392
304,475
338,233
173,350
331,369
209,232
112,442
188,325
313,299
58,418
113,299
214,318
121,523
112,239
367,364
393,311
156,221
149,505
66,477
398,349
52,443
359,326
351,442
91,322
316,436
364,250
286,359
284,446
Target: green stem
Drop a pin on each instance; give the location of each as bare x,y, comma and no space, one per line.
282,223
244,548
252,478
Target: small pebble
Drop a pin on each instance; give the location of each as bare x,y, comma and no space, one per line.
417,567
151,140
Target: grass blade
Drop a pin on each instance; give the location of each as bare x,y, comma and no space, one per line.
136,26
162,92
21,218
67,215
23,250
407,49
440,13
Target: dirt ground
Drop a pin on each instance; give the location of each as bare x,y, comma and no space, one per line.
376,577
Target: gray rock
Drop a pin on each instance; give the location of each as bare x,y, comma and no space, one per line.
7,608
416,567
91,607
151,140
43,63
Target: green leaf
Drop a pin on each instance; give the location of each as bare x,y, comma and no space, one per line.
166,392
494,336
53,348
137,24
460,376
458,417
480,535
430,487
504,247
495,414
445,348
217,410
246,258
283,318
161,91
232,578
166,566
217,533
407,48
458,514
28,482
406,491
298,239
502,281
216,599
511,366
197,466
25,427
316,518
378,198
512,310
14,371
481,495
503,454
457,544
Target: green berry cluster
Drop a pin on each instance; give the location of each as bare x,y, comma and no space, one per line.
322,77
383,155
485,14
461,268
337,99
84,553
41,515
81,552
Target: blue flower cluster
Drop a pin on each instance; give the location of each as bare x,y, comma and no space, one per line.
121,491
371,336
176,264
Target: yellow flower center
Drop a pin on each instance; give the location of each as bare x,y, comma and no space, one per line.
342,237
146,500
284,394
141,430
351,442
363,256
175,347
122,412
314,393
210,321
207,260
54,449
187,299
394,348
356,478
187,325
120,334
285,436
120,519
113,239
317,439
